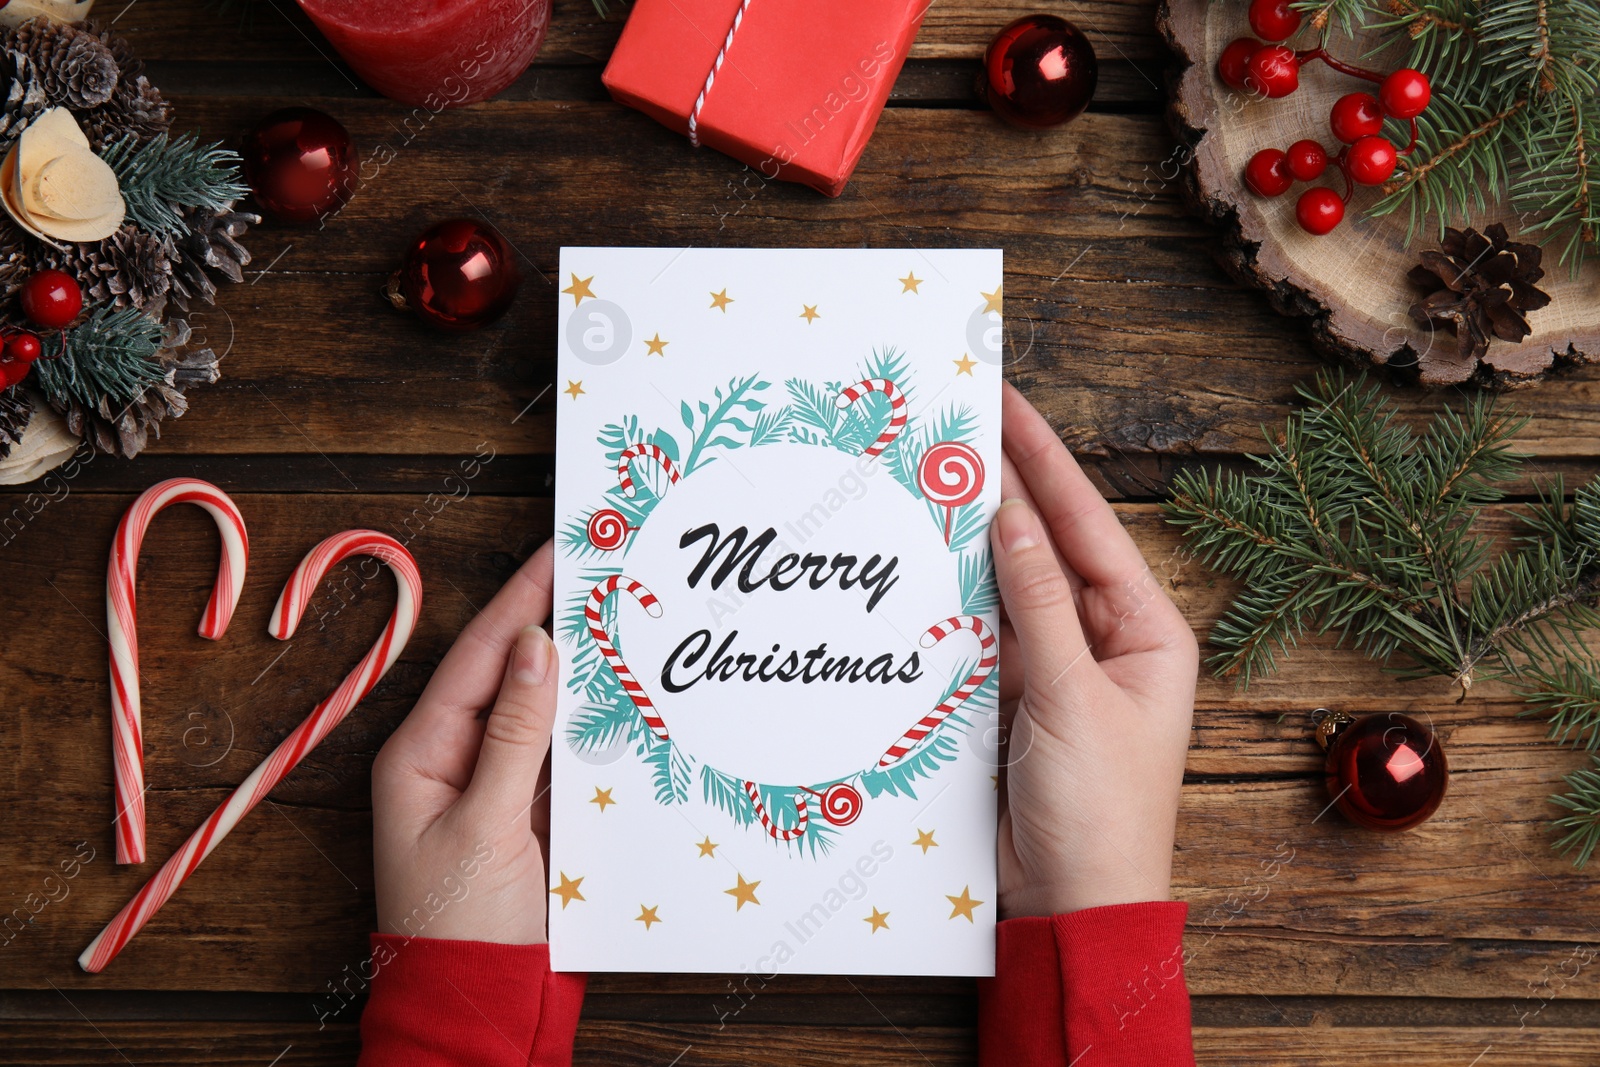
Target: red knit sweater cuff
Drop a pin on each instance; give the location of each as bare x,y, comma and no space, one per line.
438,1003
1122,975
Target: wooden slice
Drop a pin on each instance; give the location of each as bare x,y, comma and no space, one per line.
1350,284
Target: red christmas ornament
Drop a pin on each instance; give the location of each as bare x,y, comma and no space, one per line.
1274,71
1354,116
1233,65
1038,72
51,298
459,275
1384,771
1319,210
1273,20
1307,160
300,163
1370,161
1405,94
1267,173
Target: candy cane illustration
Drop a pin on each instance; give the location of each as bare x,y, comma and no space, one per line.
127,739
633,452
778,833
286,616
597,630
897,409
988,656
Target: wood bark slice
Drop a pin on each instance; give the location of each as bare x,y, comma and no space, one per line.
1351,284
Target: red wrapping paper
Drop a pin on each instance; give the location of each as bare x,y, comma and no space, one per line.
800,87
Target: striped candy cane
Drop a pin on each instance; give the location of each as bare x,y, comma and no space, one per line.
897,409
778,833
633,452
988,656
286,616
597,630
127,738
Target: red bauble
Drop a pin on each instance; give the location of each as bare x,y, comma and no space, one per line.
1319,210
24,347
1267,173
1384,771
459,275
1233,65
300,163
1370,161
1405,93
1307,160
1354,116
1274,72
51,298
1039,71
1273,20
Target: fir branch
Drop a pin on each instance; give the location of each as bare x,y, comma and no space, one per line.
1583,825
109,361
160,178
1568,694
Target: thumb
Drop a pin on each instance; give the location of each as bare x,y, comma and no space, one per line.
517,735
1037,597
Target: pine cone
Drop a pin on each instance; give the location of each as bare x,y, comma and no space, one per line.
15,413
14,264
25,96
125,432
212,242
129,267
1481,286
76,67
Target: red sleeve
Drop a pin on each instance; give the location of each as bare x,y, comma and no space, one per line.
1102,987
437,1003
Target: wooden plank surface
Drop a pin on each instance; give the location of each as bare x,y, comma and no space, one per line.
1351,948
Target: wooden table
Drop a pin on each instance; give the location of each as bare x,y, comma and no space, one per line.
1463,942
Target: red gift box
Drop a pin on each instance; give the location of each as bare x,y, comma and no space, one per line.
793,89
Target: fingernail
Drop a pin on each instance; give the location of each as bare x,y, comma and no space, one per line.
534,656
1017,525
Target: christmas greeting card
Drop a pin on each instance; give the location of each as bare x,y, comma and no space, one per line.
775,605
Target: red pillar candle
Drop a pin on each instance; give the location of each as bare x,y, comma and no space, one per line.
434,53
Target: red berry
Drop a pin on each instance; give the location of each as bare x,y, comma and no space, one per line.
1319,210
1274,72
1355,115
1405,93
1273,20
1307,160
51,298
1267,173
23,346
1234,63
12,371
1370,161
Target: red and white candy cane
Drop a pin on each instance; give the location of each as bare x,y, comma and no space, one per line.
286,616
778,833
633,452
597,630
127,739
988,656
897,409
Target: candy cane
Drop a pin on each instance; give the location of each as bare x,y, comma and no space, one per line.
127,738
778,833
633,452
597,630
988,657
286,616
897,409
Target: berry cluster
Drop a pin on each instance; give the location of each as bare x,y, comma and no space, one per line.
1272,70
51,299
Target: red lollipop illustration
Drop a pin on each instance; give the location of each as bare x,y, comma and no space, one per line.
950,474
608,529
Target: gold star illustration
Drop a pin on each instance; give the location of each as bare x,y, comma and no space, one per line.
992,300
573,388
909,283
878,919
963,904
925,840
744,893
647,916
995,778
602,797
965,364
809,313
568,890
580,289
656,345
707,847
721,300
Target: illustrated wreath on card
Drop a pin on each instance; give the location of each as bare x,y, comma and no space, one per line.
930,458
